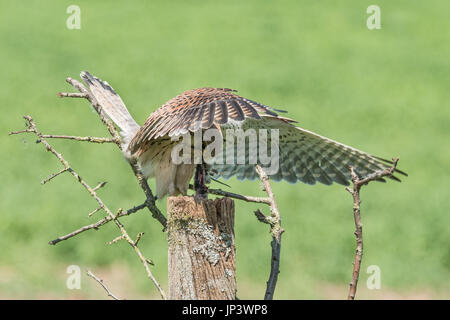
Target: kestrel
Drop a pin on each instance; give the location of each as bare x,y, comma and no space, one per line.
303,155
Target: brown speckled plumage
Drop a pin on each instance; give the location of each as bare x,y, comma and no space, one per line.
193,110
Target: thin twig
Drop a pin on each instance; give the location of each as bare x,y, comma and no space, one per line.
138,237
116,239
100,281
97,225
77,138
72,95
357,184
276,230
54,175
20,131
94,212
88,139
100,185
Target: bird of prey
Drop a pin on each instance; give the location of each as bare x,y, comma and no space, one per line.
303,155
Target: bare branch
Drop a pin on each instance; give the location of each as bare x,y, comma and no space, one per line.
275,214
357,184
54,175
72,95
138,237
77,138
95,211
275,229
88,139
97,225
100,185
237,196
150,262
100,281
20,131
116,239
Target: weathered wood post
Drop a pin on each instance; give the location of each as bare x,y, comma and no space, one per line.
201,248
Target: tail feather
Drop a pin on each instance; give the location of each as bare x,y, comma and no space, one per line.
112,105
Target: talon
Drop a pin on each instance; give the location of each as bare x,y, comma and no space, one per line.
201,190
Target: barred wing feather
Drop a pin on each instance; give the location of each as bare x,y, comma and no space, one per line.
305,156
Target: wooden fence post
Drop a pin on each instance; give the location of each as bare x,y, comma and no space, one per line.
201,246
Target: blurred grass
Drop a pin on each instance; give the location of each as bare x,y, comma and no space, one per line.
384,91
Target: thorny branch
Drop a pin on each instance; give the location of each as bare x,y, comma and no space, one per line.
357,184
31,127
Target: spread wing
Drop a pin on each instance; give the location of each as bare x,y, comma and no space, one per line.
196,109
304,156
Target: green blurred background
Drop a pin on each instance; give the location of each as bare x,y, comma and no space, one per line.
383,91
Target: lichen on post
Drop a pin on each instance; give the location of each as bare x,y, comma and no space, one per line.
201,246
